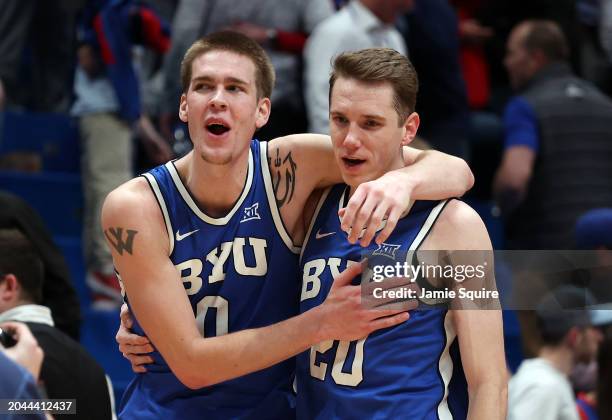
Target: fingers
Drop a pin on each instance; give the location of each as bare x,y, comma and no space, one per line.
373,224
138,362
351,209
394,215
126,317
367,209
125,337
129,349
26,352
347,275
20,332
361,221
389,321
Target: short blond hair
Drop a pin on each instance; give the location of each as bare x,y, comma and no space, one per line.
380,65
238,44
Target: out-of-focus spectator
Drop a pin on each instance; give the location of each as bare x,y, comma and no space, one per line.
360,24
36,53
68,371
605,28
109,109
26,352
557,159
594,63
57,290
281,27
20,366
431,34
540,389
473,36
604,382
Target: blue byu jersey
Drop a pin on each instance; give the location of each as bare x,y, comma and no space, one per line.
239,271
410,371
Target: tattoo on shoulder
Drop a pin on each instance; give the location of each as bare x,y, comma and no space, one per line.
120,241
283,168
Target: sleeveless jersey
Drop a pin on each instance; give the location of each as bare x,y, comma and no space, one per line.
239,271
410,371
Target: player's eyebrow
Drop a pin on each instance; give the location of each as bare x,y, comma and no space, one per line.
229,79
378,118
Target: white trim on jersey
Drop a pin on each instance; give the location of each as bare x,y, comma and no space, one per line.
278,221
445,366
445,363
433,215
162,205
314,218
193,206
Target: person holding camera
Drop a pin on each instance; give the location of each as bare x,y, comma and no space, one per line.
19,364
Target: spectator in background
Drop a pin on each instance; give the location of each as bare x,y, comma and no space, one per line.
57,290
540,389
557,161
604,383
605,28
360,24
20,365
431,34
41,34
280,27
68,371
109,109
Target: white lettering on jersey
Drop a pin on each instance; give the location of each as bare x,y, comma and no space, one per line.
218,262
311,276
251,213
193,279
259,249
311,283
191,270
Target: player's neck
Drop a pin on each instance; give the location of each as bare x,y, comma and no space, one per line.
215,188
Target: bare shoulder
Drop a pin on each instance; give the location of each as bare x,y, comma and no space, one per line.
131,211
133,199
459,227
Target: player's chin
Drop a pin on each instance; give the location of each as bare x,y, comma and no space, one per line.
216,156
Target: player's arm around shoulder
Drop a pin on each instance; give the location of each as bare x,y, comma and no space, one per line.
299,164
480,332
136,235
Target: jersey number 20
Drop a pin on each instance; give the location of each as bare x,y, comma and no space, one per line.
351,378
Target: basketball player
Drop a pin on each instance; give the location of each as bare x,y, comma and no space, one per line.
411,370
206,246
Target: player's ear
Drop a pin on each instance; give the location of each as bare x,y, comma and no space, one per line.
411,126
9,288
264,107
183,108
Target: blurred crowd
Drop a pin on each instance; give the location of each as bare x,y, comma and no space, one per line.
520,89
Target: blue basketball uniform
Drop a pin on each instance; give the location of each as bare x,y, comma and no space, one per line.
239,271
410,371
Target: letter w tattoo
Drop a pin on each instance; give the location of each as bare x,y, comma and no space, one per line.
116,238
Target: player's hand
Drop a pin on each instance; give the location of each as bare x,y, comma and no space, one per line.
26,353
392,293
345,318
385,198
134,347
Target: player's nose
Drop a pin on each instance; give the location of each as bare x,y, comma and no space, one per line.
351,139
218,99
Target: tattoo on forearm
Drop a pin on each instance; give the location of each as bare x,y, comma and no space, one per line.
283,167
119,241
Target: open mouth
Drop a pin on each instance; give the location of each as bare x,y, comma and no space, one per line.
217,128
352,162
